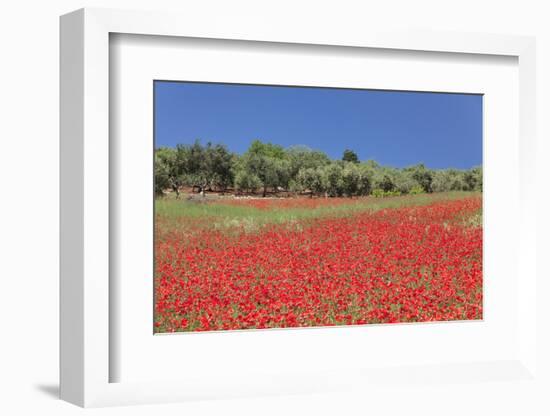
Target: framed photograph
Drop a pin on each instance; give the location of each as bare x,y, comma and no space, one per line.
271,211
304,230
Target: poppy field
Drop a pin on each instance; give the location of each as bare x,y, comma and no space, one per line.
246,263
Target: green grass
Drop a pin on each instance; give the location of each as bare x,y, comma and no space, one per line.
224,215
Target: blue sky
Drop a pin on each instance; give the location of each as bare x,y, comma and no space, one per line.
394,128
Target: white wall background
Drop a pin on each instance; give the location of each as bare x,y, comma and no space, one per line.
29,184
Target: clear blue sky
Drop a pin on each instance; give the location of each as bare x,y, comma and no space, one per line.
393,128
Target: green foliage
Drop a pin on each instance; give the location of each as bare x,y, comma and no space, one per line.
259,148
404,181
247,182
334,179
268,167
417,189
203,167
366,174
384,180
266,162
458,180
302,157
350,156
168,173
422,176
380,193
312,180
474,179
448,180
351,177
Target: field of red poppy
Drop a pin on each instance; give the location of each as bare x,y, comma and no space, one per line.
274,263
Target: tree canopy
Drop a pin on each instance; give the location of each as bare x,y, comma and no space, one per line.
350,156
268,167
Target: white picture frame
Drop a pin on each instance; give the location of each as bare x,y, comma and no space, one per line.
86,356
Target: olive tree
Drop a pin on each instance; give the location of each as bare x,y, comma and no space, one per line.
366,174
268,163
404,181
247,181
302,157
168,172
333,179
312,180
351,177
422,176
474,179
383,179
